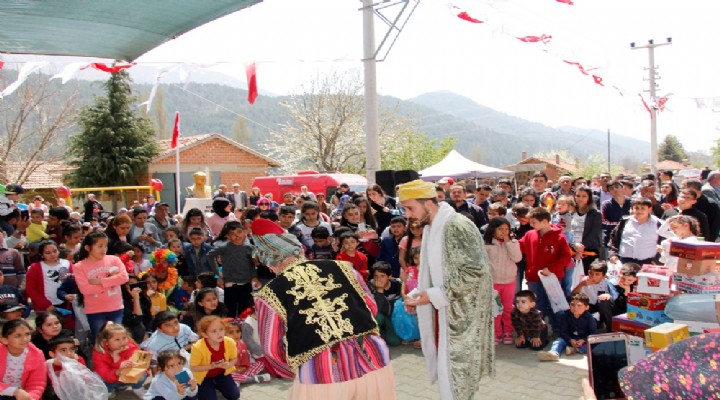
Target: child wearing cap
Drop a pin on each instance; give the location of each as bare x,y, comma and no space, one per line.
12,303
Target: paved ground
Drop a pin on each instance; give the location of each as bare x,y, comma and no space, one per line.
519,376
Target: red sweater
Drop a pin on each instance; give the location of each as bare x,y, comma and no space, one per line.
550,250
35,287
104,365
34,375
360,262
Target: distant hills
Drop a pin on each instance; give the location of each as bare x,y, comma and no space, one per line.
500,138
483,134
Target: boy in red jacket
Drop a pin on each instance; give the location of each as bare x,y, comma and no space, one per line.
546,251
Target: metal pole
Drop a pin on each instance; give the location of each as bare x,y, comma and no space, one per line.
653,113
372,140
653,89
608,150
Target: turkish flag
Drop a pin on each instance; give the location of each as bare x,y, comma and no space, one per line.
252,83
113,69
2,64
176,131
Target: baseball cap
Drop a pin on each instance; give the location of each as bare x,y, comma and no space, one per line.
161,204
10,306
447,179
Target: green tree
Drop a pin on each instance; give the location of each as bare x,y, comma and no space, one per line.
412,150
116,144
671,149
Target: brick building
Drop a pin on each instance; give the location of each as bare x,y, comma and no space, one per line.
554,168
226,161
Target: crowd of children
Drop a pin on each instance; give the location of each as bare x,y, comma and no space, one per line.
183,292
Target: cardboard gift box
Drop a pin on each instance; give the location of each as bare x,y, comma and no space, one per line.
710,279
664,335
696,267
621,323
698,327
695,250
649,283
647,308
697,289
651,302
656,269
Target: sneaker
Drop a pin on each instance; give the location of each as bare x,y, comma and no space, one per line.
508,338
570,351
497,340
139,393
262,378
548,356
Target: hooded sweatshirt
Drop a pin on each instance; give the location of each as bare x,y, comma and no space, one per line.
549,251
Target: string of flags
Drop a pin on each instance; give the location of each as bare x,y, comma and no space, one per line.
545,39
71,69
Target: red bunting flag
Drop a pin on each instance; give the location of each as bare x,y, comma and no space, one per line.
645,104
661,103
2,64
577,64
463,15
568,2
114,69
176,131
534,39
598,80
252,83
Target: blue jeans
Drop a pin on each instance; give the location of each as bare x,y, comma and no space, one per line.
559,345
520,276
224,383
111,387
543,304
97,320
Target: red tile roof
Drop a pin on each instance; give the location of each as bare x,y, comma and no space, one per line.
185,143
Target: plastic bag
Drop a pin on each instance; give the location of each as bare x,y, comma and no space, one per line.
614,272
577,274
76,381
497,306
692,307
406,325
554,291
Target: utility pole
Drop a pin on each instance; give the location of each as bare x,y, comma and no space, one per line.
369,9
653,88
372,137
608,150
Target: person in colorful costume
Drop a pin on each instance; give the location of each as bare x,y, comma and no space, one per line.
454,302
316,323
163,267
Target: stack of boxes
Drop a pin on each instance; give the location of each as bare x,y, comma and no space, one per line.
697,270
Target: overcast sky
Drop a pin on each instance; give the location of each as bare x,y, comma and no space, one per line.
293,40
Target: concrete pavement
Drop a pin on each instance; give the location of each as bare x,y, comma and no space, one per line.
519,376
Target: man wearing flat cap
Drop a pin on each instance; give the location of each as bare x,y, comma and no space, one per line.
454,305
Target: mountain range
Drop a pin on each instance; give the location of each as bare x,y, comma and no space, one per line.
483,134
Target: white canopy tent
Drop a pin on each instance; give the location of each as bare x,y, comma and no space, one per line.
455,166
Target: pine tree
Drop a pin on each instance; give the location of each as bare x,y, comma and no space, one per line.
671,149
116,144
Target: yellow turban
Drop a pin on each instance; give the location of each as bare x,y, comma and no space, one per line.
416,189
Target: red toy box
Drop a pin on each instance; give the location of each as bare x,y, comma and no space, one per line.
695,250
621,323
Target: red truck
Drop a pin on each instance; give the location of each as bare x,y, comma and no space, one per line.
315,181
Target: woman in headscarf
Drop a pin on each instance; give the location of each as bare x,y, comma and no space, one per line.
334,354
222,213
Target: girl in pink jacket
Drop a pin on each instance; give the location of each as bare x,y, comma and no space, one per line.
503,253
23,374
100,278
